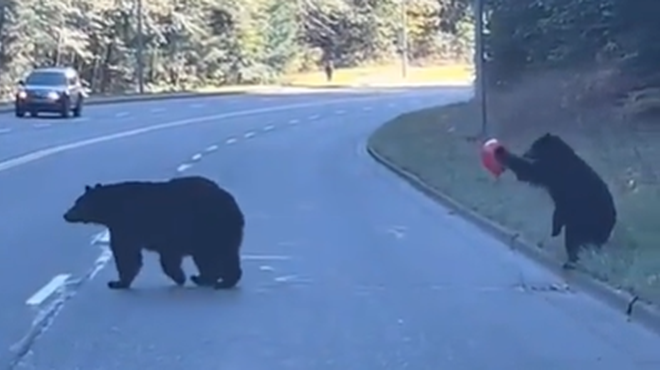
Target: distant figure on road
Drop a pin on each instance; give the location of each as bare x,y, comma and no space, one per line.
329,68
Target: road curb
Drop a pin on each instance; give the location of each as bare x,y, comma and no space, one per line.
633,307
101,100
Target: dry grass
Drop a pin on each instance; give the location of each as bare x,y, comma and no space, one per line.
382,74
438,145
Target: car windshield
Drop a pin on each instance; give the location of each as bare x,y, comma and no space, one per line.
46,78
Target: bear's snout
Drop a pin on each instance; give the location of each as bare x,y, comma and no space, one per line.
69,217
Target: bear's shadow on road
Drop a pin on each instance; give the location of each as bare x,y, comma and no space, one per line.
171,294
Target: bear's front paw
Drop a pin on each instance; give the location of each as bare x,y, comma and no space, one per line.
197,280
116,284
568,265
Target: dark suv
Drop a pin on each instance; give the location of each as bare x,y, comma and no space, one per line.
53,90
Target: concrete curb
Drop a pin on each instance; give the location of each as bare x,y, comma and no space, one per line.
631,306
99,100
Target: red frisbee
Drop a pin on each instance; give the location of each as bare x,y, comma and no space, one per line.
488,157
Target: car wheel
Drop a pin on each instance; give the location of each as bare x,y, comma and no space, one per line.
19,113
77,111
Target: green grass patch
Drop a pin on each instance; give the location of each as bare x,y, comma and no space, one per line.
438,145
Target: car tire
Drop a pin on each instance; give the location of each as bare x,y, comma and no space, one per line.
19,113
77,111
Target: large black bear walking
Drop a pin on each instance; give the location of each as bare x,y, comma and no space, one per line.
583,202
186,216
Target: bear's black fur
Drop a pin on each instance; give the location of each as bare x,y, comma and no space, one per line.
186,216
583,202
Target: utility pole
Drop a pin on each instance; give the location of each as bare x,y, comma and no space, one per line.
479,59
404,39
140,48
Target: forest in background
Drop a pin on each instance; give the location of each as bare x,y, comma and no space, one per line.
611,43
192,43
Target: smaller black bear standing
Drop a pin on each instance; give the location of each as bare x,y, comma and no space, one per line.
186,216
583,202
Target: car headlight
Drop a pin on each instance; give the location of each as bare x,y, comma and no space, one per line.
22,94
53,95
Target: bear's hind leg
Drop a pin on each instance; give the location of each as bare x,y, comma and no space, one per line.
170,263
128,262
573,242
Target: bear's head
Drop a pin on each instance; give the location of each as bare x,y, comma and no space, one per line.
550,148
90,207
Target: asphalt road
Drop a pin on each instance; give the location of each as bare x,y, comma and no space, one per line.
346,267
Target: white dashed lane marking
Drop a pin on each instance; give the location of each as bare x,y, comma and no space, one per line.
269,128
41,125
230,141
101,261
293,122
121,114
184,167
101,238
340,111
283,279
313,117
211,148
157,110
249,134
53,286
196,157
251,257
5,131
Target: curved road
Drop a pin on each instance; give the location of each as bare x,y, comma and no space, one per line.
346,266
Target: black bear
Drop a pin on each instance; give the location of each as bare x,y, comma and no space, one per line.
584,206
185,216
